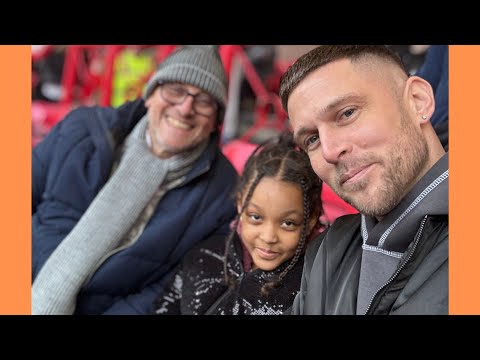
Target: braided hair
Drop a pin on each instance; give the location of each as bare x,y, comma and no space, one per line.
281,159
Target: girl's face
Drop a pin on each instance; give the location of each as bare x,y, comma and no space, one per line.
272,222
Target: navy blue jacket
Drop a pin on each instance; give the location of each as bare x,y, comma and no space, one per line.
435,71
70,166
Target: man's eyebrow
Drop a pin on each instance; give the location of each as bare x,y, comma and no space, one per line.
339,101
297,135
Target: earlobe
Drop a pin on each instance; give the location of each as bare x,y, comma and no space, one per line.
421,97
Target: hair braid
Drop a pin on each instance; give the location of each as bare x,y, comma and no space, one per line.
228,279
280,159
266,288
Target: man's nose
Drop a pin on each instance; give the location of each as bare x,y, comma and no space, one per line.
186,107
333,146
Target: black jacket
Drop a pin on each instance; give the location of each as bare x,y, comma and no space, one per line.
332,268
198,287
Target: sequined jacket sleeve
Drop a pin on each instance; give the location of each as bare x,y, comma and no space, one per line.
169,302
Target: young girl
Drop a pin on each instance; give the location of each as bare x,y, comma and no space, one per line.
257,269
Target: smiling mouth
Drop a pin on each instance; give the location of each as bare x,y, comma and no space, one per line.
267,254
353,173
178,124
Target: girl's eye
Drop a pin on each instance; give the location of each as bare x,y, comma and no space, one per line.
254,217
289,225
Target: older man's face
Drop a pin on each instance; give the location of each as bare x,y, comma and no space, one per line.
176,128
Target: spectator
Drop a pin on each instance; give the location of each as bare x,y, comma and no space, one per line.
364,123
257,269
120,194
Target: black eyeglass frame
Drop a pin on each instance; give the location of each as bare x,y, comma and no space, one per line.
162,85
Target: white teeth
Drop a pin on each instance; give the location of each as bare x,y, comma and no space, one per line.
178,124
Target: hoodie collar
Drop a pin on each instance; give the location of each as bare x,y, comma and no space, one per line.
396,230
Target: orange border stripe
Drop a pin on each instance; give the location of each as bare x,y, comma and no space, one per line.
15,189
464,180
15,192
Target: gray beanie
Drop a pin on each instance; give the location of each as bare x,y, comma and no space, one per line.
196,65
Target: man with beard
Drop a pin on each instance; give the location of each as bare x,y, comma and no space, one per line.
364,123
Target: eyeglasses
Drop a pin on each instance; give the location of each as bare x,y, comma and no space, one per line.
174,94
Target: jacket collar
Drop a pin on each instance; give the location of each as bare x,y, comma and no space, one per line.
396,230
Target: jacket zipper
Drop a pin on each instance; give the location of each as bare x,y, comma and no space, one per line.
417,238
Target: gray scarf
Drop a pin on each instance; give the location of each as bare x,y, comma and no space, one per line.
106,222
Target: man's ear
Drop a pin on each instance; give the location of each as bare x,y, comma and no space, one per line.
421,98
148,102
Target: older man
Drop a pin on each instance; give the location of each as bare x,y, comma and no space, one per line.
120,194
